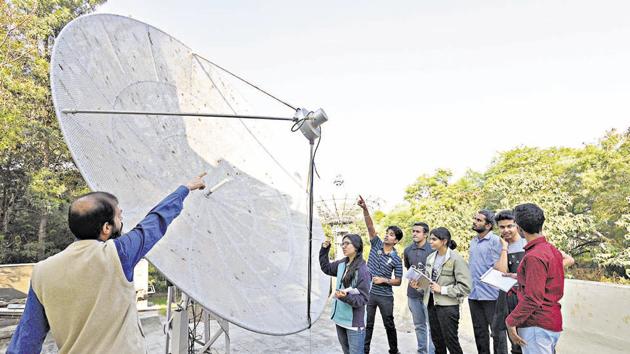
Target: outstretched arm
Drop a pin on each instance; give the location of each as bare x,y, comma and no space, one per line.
135,244
368,219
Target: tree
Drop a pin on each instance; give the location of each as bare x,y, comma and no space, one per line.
436,200
585,193
37,176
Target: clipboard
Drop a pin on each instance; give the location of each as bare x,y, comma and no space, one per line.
419,275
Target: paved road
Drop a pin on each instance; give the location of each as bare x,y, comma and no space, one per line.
320,339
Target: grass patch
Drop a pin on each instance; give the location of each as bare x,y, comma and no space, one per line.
159,300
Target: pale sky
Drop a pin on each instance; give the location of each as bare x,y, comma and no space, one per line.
411,86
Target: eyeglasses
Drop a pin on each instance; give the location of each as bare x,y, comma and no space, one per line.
346,243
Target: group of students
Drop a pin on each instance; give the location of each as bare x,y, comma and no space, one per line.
529,314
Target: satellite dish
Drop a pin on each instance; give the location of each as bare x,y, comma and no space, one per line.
119,87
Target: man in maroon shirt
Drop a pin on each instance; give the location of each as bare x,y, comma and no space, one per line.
541,285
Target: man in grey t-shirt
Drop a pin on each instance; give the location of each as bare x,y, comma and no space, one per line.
416,255
512,252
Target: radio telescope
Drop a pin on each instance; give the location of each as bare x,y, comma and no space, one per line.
339,210
141,112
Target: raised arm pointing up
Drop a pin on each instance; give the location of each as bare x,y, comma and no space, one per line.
368,219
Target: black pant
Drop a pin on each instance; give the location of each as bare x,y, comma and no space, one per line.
505,304
482,313
444,323
385,305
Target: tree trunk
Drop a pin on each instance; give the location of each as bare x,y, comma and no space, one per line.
43,216
5,220
7,209
41,234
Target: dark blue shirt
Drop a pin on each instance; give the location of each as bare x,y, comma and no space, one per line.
414,255
132,246
383,264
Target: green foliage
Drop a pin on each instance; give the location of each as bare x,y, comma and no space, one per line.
157,279
541,177
585,193
438,202
617,255
37,176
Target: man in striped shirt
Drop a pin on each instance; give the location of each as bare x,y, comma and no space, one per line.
382,262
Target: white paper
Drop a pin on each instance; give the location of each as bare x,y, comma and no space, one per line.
496,279
351,290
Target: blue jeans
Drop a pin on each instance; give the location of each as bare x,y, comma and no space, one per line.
351,341
421,322
539,340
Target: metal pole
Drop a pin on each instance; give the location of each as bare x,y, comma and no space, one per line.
180,333
178,114
169,303
310,235
226,333
206,326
